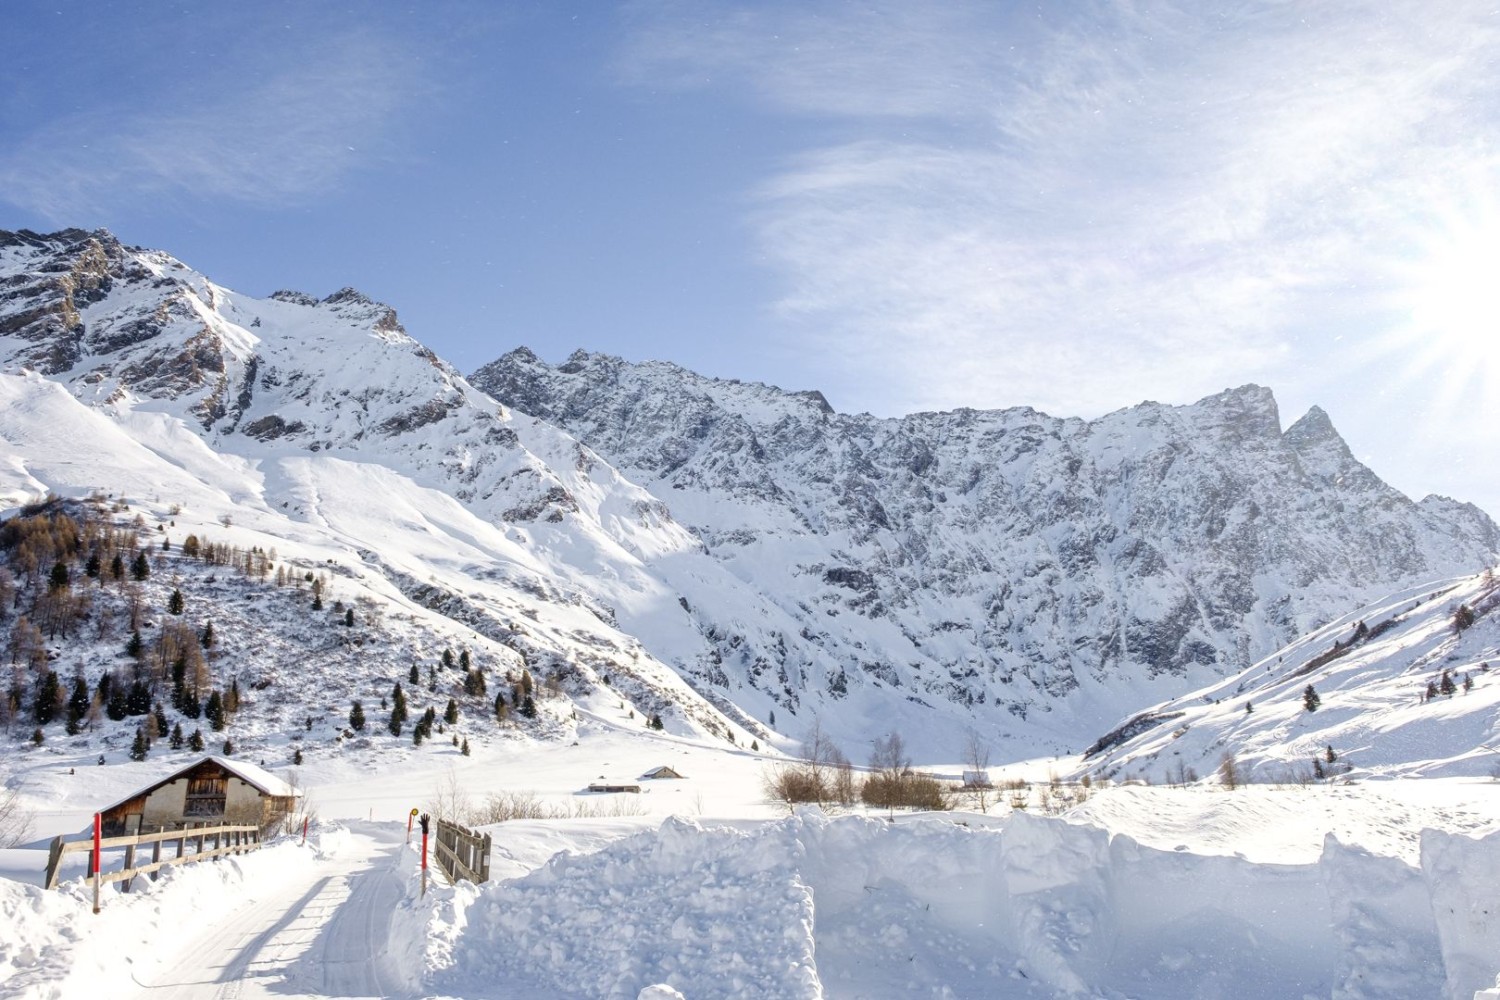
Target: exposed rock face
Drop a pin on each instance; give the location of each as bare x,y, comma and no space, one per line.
1004,570
1004,557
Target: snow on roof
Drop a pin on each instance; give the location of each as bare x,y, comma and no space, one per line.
258,777
255,775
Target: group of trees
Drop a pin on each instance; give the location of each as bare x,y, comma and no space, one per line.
826,777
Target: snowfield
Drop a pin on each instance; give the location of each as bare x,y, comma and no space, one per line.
1370,889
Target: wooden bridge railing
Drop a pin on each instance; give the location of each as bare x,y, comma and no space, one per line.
462,853
225,840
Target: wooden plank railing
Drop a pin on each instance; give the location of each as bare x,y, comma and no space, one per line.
462,853
225,840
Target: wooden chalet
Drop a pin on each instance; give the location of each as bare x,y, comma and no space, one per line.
660,772
212,791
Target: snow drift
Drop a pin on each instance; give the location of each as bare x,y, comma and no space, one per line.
1030,907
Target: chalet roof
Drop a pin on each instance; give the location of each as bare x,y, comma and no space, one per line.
257,777
661,772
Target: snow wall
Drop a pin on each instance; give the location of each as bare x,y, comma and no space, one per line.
854,907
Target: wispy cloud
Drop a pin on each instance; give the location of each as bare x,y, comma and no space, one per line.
322,113
1085,205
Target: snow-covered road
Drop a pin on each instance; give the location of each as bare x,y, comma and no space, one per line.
324,936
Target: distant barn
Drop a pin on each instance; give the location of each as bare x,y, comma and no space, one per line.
660,772
212,791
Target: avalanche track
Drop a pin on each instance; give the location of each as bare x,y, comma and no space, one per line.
324,936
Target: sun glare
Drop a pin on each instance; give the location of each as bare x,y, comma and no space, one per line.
1452,299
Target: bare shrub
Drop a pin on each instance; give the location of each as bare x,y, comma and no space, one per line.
16,821
1229,772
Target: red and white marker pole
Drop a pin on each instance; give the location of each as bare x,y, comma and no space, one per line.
98,856
425,820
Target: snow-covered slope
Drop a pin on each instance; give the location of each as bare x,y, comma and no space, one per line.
1015,563
737,558
1407,685
317,429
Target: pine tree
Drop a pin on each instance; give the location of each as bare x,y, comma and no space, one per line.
175,602
91,567
117,567
398,703
47,698
140,567
207,638
465,748
655,722
413,676
1249,708
297,757
175,740
214,711
1329,755
139,746
195,741
134,645
417,734
357,717
37,736
317,604
448,659
1310,699
228,747
464,662
78,702
58,580
528,707
349,618
1446,685
450,714
755,745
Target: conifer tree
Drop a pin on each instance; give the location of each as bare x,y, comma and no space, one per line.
228,747
175,740
134,646
117,567
213,711
175,602
78,702
297,757
139,746
357,717
140,567
37,736
413,676
206,640
58,579
1446,685
464,662
465,748
450,714
195,741
1310,699
48,697
348,618
448,659
91,567
528,707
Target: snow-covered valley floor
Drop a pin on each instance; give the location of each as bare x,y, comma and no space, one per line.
1364,889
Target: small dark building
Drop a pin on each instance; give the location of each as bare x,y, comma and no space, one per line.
214,790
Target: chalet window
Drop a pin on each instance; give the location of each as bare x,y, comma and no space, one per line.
205,796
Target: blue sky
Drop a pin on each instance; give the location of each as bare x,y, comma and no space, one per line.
908,206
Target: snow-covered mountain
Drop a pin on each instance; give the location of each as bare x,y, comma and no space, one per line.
1406,685
739,558
319,429
1002,559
